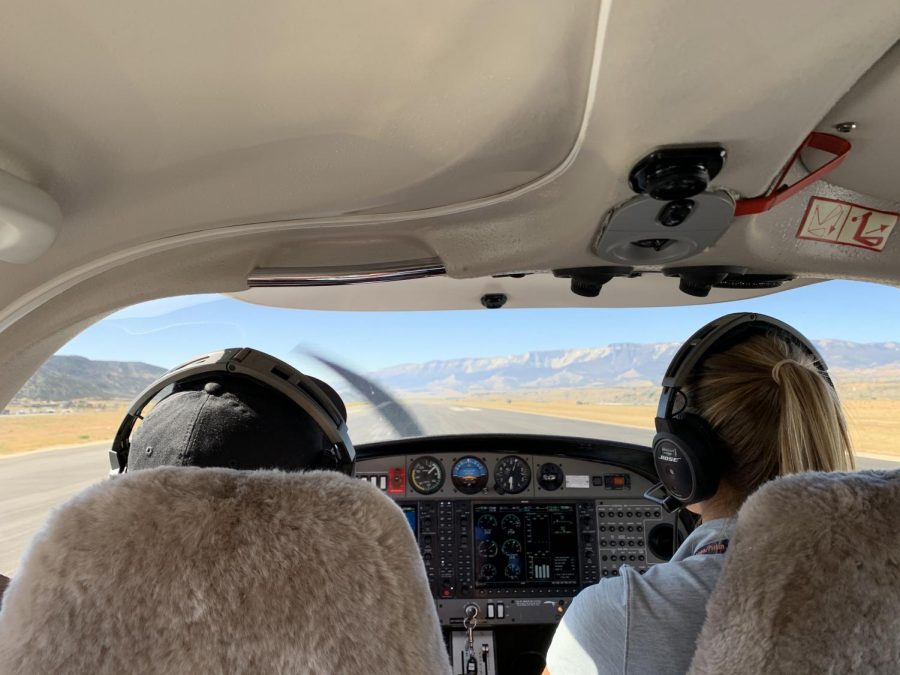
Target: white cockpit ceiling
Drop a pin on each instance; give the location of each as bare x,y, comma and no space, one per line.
494,134
873,106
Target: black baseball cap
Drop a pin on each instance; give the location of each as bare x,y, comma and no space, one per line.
231,421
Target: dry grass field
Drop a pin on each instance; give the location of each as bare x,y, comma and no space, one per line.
21,433
75,426
874,425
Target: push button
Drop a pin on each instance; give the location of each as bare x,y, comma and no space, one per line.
490,610
501,610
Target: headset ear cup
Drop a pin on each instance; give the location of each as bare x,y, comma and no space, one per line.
708,456
688,459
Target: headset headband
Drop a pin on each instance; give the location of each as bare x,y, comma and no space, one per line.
260,367
717,336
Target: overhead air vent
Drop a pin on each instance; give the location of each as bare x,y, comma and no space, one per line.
699,281
589,281
677,172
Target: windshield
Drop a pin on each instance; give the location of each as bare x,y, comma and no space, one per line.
574,372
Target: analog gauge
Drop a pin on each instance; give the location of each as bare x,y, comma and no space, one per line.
469,475
512,571
426,475
512,547
487,522
510,522
487,572
511,475
551,476
487,549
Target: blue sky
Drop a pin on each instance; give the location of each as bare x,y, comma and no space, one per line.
169,331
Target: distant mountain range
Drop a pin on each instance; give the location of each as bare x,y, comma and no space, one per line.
66,378
615,365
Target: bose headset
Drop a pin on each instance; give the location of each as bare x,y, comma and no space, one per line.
257,366
687,452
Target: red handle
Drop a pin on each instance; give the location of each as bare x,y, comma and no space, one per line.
839,147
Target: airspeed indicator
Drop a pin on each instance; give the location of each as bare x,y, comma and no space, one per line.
426,475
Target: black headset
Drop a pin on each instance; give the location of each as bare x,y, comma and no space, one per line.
687,452
258,366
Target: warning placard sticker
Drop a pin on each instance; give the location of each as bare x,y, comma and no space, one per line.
846,224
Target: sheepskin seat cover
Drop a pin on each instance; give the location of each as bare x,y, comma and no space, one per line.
186,570
812,580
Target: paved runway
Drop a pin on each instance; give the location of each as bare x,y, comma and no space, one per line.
32,484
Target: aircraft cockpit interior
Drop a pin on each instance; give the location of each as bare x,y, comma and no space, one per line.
507,337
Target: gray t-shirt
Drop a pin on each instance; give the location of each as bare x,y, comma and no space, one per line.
635,624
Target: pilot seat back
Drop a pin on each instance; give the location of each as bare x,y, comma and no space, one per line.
188,570
812,580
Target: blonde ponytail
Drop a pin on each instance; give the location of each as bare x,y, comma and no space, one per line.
774,410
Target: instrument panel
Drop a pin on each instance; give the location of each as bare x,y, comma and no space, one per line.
519,532
490,475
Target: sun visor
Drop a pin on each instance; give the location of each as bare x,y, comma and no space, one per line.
310,109
867,117
498,102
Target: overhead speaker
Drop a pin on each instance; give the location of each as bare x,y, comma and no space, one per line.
644,231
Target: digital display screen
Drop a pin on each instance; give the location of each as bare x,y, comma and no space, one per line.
412,518
616,481
525,545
